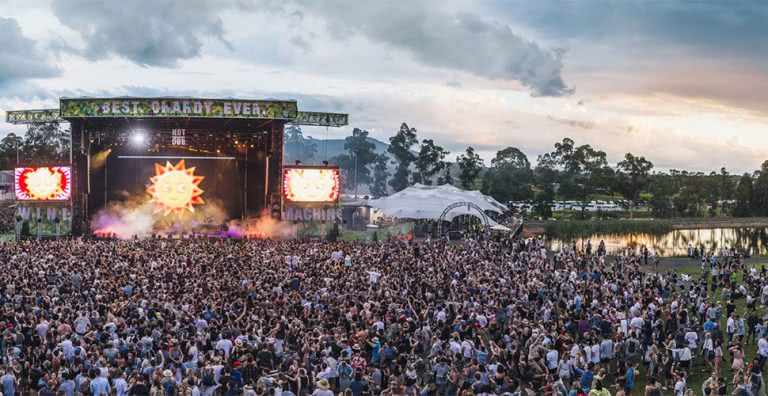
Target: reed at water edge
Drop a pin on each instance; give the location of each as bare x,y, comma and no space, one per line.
586,228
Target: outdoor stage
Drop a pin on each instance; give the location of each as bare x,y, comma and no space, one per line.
200,162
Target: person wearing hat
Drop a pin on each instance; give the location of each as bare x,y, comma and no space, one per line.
237,374
323,388
375,347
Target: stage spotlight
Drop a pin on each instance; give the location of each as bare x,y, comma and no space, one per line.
138,137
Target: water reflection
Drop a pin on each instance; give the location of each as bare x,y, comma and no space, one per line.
749,240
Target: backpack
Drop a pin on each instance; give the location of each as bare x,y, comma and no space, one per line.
632,348
169,388
208,379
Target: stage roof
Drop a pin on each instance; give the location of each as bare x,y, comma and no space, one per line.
176,107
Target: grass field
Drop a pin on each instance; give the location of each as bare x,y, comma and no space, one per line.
697,375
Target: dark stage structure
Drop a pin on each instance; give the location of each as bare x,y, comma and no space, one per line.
230,150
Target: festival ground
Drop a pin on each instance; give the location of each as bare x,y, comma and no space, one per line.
699,374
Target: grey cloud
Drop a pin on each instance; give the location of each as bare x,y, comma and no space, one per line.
149,33
20,58
571,122
735,28
300,43
457,41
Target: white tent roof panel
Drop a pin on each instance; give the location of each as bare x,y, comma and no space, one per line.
429,202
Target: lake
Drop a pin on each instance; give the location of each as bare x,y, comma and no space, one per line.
751,240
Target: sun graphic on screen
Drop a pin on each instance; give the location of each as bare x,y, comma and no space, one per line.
43,184
175,188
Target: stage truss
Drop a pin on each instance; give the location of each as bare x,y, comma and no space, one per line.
43,116
469,205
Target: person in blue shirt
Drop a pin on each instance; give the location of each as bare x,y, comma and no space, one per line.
120,384
630,382
709,325
99,386
359,385
586,377
375,347
8,382
67,386
482,355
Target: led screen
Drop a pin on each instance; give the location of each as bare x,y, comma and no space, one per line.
45,183
311,184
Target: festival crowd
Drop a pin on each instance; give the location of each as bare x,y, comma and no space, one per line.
292,318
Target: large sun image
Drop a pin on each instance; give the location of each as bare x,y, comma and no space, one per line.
175,188
43,184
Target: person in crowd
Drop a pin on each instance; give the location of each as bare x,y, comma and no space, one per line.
396,317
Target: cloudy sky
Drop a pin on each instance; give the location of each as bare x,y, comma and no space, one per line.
683,83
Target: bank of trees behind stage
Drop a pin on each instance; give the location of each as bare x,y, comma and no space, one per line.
570,172
42,144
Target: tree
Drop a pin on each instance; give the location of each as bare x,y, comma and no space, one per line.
380,176
400,147
662,189
297,147
429,162
470,165
511,156
446,178
726,189
760,191
542,202
743,196
633,178
10,146
45,144
354,164
580,172
510,176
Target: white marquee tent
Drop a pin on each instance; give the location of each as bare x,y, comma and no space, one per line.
429,202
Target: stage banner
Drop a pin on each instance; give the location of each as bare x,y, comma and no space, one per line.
178,107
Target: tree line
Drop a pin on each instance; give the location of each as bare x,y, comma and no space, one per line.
43,144
569,172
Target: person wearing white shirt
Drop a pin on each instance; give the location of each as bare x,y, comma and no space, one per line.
594,356
552,359
606,349
692,338
224,345
680,386
730,327
374,276
762,351
467,347
454,346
